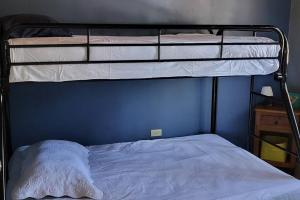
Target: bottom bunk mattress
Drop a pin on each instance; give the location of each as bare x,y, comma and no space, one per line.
189,168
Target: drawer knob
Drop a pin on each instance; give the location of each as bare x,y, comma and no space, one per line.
276,122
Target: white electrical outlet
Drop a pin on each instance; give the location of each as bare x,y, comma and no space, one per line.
156,133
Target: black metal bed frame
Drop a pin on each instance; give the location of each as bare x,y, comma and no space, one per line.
280,76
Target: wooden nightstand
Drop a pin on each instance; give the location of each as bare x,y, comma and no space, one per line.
273,121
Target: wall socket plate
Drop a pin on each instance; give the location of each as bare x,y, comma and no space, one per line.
156,133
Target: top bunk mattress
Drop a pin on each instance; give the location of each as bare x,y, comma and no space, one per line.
70,72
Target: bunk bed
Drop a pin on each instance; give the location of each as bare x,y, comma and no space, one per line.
119,169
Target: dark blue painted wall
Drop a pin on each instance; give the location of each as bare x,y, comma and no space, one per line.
99,112
105,112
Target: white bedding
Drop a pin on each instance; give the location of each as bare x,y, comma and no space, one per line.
58,73
202,167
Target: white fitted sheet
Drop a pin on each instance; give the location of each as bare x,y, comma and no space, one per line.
201,167
58,73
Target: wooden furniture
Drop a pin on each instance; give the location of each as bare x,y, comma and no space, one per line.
271,120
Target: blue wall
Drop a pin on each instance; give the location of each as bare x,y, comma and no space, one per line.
98,112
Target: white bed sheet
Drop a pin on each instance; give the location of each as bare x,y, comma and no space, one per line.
58,73
201,167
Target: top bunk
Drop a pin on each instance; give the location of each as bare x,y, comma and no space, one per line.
142,52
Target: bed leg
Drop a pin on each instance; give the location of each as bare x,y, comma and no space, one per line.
214,104
291,114
3,166
3,186
250,114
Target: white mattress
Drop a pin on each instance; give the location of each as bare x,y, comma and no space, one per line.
58,73
202,167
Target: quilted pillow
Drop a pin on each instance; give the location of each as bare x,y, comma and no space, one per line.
54,168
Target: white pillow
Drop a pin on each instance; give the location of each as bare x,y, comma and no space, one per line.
53,168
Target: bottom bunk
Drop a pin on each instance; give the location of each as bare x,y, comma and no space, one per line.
193,167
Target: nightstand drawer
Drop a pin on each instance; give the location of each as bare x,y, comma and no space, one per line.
274,121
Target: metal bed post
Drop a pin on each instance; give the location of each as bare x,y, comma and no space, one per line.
214,105
3,152
3,136
6,148
88,44
215,83
291,114
158,44
285,93
251,101
5,87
